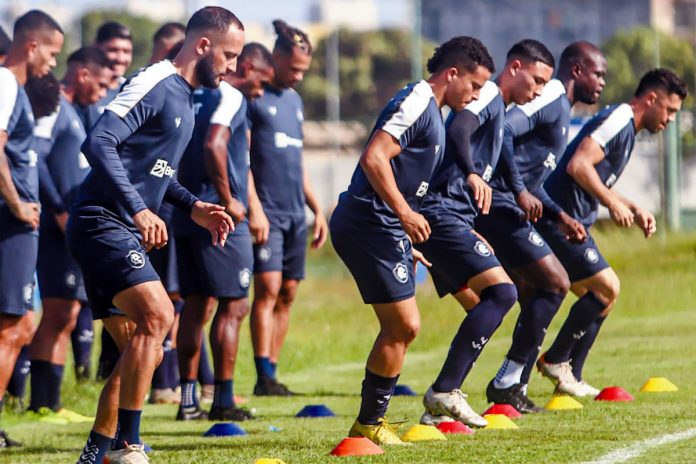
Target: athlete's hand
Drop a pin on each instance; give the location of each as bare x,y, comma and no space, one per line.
28,212
259,225
152,228
320,232
573,230
416,226
482,192
530,204
214,218
61,220
621,214
418,257
236,210
646,221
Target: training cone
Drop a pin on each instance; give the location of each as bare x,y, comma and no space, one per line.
563,403
356,446
315,410
404,390
224,429
420,432
499,421
504,409
657,385
454,427
269,461
614,394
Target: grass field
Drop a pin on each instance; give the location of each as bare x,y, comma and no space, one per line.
650,333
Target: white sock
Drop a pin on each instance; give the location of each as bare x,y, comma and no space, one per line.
509,374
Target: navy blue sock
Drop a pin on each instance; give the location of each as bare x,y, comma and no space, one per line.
274,368
581,316
108,358
376,392
95,449
17,386
529,367
188,393
582,348
224,394
55,381
82,337
160,379
205,372
535,317
128,428
473,334
40,382
264,369
172,363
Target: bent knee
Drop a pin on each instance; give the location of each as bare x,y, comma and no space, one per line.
287,292
501,294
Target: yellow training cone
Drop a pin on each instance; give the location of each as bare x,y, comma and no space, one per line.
658,384
499,421
421,432
269,461
562,402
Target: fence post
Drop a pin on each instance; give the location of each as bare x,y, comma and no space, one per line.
672,175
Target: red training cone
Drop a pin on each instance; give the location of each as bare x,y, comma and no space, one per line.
454,427
614,394
356,446
504,409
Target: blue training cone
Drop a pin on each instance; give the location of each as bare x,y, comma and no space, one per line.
225,429
315,410
404,390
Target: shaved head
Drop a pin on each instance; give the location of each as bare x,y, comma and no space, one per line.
583,64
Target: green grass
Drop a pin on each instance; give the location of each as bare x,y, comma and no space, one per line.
650,333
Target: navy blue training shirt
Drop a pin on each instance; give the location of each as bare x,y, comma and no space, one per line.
536,135
91,113
413,118
135,147
276,150
226,107
614,130
449,192
62,166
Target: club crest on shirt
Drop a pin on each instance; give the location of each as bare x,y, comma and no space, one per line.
136,260
422,189
550,161
400,273
481,248
591,255
245,278
263,254
70,279
535,239
272,110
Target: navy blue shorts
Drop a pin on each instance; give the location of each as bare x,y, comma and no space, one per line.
164,262
456,254
110,256
285,249
381,263
208,270
58,273
515,241
18,253
580,260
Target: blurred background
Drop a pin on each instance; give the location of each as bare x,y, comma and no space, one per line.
367,49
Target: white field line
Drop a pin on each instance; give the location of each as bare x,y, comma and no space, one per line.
638,448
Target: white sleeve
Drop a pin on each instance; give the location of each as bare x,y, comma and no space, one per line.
229,105
9,87
412,107
611,126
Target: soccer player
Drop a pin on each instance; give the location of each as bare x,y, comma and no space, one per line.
62,168
37,40
535,134
284,189
215,167
166,37
377,218
134,150
590,167
461,261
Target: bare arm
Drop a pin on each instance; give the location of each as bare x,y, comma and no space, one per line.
25,212
258,222
216,159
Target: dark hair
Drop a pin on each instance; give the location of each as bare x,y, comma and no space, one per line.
113,30
167,31
531,50
461,52
5,42
175,50
257,53
89,55
213,18
289,37
662,78
43,93
34,20
576,53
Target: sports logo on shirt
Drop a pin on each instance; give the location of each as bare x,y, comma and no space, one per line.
283,140
70,279
550,161
272,110
162,168
75,124
482,249
591,255
422,189
437,149
177,121
535,239
28,293
264,254
300,115
487,173
400,273
33,158
135,259
611,181
479,345
245,278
